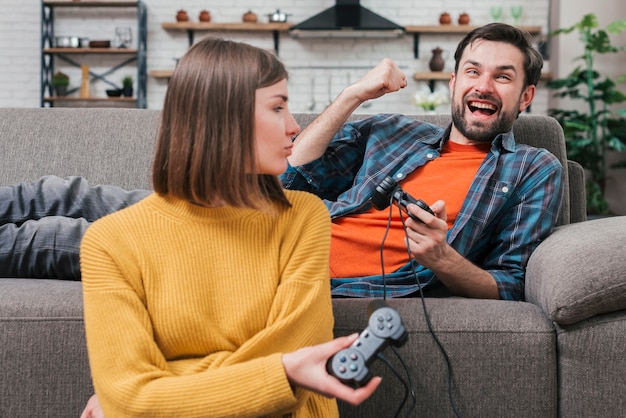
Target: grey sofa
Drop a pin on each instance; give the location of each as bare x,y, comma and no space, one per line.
560,353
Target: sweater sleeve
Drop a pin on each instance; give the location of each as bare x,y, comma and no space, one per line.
132,376
303,293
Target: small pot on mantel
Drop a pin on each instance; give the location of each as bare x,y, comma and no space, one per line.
250,17
464,19
182,16
205,16
445,18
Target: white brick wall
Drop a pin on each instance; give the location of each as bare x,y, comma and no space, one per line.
306,58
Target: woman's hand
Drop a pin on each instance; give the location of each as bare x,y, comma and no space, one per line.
93,409
306,368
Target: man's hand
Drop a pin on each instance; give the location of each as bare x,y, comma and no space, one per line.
385,78
427,239
313,141
427,244
307,368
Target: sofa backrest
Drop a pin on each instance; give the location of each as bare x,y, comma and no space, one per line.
114,146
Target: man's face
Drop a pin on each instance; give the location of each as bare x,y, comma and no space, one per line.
487,92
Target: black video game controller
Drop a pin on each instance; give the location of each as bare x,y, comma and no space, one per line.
389,190
385,327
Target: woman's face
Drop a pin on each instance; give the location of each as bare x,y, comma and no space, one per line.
274,129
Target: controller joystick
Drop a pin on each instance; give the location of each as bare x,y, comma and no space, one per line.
389,189
385,327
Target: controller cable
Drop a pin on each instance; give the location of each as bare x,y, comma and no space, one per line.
391,367
407,387
424,308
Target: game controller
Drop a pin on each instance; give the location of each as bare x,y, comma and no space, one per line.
389,189
385,327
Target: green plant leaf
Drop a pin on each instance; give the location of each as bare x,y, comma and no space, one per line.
592,127
616,27
616,144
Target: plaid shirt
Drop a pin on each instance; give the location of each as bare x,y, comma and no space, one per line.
511,206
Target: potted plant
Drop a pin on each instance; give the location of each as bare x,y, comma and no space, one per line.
127,86
598,128
59,83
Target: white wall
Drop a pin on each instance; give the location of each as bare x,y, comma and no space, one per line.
20,44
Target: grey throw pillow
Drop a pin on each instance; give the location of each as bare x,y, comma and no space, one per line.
580,270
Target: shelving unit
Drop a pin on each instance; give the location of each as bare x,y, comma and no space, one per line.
192,27
72,56
450,30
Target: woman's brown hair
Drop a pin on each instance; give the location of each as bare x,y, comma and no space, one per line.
205,151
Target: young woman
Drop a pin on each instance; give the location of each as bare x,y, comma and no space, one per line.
211,296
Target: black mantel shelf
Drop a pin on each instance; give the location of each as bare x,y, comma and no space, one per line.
191,27
451,30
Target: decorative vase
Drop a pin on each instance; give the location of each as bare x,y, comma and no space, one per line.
437,62
84,85
464,19
250,17
60,90
445,18
182,16
205,16
127,91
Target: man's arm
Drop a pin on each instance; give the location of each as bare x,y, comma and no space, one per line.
427,243
500,274
312,142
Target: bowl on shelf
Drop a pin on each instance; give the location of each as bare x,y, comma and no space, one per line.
99,44
114,93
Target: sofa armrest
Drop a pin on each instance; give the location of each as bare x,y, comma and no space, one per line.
580,270
577,192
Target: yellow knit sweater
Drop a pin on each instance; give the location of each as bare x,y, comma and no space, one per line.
188,309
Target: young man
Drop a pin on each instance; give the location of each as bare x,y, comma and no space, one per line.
494,200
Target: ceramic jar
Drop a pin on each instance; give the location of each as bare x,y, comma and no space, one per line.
445,18
250,17
437,62
182,16
464,19
205,16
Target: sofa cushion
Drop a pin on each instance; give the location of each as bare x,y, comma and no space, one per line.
580,270
498,350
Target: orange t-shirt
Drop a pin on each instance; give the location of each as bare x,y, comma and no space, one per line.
356,239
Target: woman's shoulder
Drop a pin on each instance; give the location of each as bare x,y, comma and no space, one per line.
306,202
302,198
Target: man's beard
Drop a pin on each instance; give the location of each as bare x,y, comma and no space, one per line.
481,131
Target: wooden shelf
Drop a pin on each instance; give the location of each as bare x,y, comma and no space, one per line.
161,73
89,3
89,99
435,75
235,27
451,30
432,77
459,29
191,27
445,76
120,51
